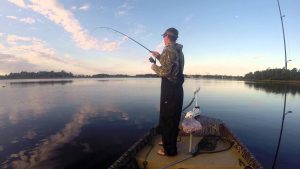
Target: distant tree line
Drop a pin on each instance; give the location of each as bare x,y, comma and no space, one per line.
109,76
269,74
64,74
147,75
38,75
274,74
215,77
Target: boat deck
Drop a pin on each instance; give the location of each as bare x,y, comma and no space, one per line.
229,159
235,156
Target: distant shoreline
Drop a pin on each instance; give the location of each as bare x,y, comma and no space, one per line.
297,82
277,75
113,77
66,75
69,79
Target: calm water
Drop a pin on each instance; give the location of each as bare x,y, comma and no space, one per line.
88,123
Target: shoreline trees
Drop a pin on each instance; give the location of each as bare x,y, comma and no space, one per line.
264,75
274,74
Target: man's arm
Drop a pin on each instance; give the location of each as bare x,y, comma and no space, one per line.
167,62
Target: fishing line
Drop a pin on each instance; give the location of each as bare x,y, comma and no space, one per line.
150,59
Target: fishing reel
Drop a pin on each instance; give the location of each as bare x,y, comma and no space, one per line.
152,60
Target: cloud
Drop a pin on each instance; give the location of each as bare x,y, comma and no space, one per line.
11,63
1,34
12,17
74,8
123,9
84,7
13,39
56,13
1,46
120,13
139,29
33,54
32,28
31,49
24,20
28,20
188,18
19,3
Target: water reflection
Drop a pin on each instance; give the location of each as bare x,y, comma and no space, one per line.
275,88
89,124
103,80
107,80
30,134
42,82
284,89
17,105
48,148
284,113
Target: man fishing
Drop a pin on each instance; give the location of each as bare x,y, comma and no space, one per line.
171,73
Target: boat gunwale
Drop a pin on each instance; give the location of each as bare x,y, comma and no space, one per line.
128,156
242,149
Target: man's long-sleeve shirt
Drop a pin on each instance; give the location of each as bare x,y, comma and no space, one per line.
172,62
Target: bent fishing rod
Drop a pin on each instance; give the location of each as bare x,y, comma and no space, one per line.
150,59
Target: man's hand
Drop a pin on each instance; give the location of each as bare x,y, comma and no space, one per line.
153,66
155,54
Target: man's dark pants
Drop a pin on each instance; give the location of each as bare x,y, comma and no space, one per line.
170,111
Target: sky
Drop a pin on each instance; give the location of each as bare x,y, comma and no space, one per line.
228,37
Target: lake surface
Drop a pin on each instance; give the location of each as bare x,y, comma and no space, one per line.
89,123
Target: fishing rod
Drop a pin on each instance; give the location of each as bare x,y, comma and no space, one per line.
283,35
150,59
285,87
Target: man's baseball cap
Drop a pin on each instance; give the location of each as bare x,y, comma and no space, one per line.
171,32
